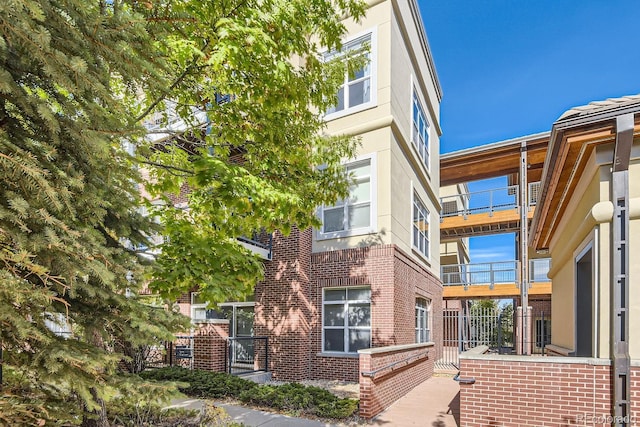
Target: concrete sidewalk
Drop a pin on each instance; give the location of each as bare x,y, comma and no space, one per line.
251,417
434,403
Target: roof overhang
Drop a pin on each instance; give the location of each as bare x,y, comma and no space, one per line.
494,160
573,138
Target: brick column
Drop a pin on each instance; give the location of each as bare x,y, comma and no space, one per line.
283,309
210,345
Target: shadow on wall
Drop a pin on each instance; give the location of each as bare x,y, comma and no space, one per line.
289,299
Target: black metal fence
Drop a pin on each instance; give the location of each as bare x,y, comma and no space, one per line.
497,329
247,354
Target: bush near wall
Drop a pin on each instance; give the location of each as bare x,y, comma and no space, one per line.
290,397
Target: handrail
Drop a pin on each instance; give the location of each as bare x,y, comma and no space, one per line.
415,357
490,273
486,201
466,381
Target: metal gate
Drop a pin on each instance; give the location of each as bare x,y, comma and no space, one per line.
471,326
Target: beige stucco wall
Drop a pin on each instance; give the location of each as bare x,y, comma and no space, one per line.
573,236
385,130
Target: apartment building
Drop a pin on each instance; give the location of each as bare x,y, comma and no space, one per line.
369,276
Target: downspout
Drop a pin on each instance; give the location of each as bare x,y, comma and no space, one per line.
620,270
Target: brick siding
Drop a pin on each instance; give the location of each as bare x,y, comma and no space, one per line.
288,303
388,374
395,281
210,345
283,310
519,393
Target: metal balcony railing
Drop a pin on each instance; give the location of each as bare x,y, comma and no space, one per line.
492,273
487,201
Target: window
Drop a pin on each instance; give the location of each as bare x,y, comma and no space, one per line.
420,226
199,310
355,212
420,131
423,320
356,89
346,319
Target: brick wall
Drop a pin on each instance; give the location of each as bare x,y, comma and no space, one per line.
370,266
288,303
184,304
395,281
388,373
411,281
283,309
210,345
536,391
635,391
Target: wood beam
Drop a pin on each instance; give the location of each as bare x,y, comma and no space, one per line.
499,290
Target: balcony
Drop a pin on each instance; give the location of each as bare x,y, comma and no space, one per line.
260,243
485,212
494,279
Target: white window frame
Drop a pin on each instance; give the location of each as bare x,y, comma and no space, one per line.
417,203
345,328
198,306
373,205
372,34
421,142
423,320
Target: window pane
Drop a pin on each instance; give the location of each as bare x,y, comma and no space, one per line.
195,298
359,216
360,169
358,74
333,315
334,340
359,339
340,105
359,93
359,294
244,321
360,192
334,295
334,219
200,313
359,315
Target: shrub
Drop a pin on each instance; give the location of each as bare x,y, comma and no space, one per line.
126,414
201,383
292,397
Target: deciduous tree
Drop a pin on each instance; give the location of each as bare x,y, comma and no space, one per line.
76,80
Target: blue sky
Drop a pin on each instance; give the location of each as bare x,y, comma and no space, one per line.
510,68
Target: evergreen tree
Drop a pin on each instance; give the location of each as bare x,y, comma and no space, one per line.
69,205
76,79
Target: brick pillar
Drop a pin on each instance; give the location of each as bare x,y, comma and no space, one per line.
210,345
283,310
